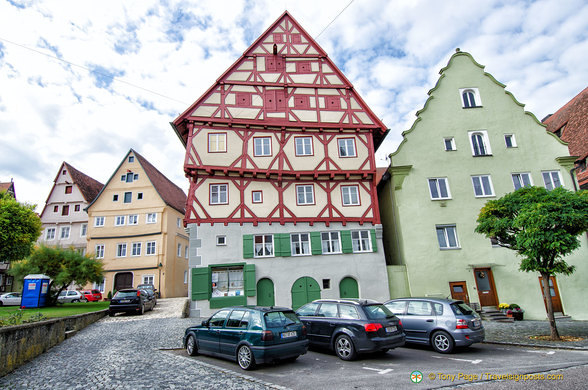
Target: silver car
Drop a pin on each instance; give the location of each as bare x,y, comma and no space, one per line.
71,296
441,323
12,298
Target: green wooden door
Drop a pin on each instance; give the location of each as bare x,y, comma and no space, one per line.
348,288
265,293
304,290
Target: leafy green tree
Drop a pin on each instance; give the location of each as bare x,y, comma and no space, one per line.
63,265
20,227
542,227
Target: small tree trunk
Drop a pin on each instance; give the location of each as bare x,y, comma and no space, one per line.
550,316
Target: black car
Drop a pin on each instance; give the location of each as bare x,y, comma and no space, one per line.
130,300
249,335
351,326
150,289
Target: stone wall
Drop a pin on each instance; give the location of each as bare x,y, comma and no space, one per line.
21,343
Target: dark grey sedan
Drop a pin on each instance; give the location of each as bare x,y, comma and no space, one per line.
441,323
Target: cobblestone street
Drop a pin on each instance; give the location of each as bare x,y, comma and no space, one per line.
126,352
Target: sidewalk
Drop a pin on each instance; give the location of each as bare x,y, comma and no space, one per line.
519,332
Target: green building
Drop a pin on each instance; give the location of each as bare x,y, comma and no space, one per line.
472,141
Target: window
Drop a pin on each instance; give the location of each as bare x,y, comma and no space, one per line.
139,195
68,189
263,245
65,210
482,186
123,178
64,235
262,146
303,146
179,253
419,308
217,142
521,180
55,209
326,284
186,251
77,207
449,143
360,241
128,197
300,244
179,222
63,172
256,197
479,143
119,220
470,97
347,147
439,188
447,237
151,217
121,250
148,279
50,234
221,240
330,242
150,248
136,249
99,286
551,179
130,176
304,195
133,219
218,194
84,230
227,281
186,276
131,159
350,195
510,141
348,312
115,198
98,221
100,251
328,310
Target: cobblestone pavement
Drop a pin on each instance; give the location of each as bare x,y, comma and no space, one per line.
519,332
127,352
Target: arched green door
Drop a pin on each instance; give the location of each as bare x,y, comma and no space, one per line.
304,290
348,288
265,293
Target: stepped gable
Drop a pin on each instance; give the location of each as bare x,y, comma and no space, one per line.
89,187
171,194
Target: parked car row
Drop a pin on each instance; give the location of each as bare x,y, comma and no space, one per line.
252,335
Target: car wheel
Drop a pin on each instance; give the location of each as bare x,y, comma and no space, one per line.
142,310
1,303
344,348
245,358
191,346
442,342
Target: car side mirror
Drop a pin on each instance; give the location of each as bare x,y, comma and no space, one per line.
205,323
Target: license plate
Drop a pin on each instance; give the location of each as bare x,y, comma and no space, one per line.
125,300
285,335
391,329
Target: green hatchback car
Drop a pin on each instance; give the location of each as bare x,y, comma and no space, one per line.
249,335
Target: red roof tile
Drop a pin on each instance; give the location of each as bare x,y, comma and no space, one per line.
89,187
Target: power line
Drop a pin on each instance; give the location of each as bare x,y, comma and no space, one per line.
335,18
94,71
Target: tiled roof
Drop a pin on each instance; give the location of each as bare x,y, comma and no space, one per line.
171,194
8,187
87,185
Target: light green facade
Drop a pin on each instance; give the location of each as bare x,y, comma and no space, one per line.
410,215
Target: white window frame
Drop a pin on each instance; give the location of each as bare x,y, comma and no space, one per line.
257,196
477,98
179,222
99,251
150,248
446,230
185,277
64,232
549,184
303,146
179,252
350,195
306,191
266,246
148,279
519,178
120,220
296,242
435,182
262,146
451,141
332,243
136,249
213,140
221,240
151,218
83,230
485,140
361,241
219,190
129,197
99,286
133,219
186,251
513,141
121,250
99,221
480,179
50,237
346,147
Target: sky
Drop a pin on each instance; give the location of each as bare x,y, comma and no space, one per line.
85,81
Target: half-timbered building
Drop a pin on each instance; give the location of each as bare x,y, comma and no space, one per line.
282,206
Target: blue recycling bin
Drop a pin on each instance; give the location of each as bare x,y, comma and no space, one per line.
34,291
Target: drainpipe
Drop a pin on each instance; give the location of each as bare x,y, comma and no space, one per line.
573,179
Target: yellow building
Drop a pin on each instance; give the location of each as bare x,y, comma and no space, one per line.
135,225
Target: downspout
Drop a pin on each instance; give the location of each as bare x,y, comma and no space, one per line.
573,179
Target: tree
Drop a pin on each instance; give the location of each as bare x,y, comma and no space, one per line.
542,227
63,266
20,227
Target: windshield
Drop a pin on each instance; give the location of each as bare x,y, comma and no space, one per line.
462,308
377,312
276,319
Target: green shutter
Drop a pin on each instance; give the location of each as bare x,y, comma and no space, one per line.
315,243
249,275
200,283
374,241
247,246
284,240
346,241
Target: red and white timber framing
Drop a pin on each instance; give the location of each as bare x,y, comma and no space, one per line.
283,87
